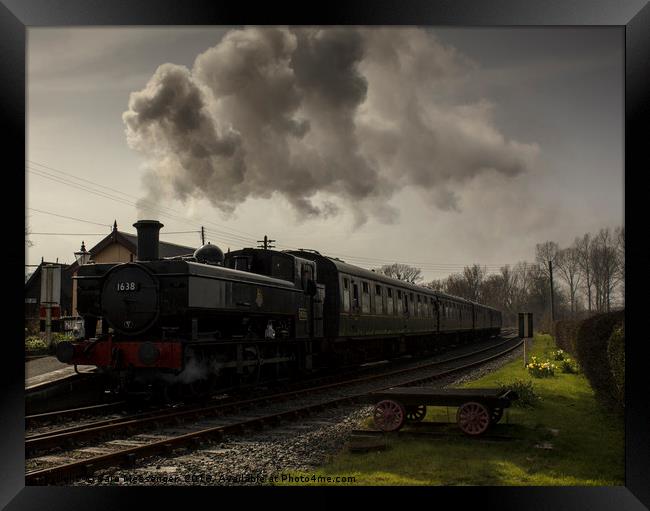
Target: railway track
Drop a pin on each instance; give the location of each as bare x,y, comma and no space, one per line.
72,413
215,421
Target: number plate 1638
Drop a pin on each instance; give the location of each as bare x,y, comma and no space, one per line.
127,286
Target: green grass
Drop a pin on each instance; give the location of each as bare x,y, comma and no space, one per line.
588,447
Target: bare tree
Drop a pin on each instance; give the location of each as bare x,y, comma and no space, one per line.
605,268
435,285
620,249
545,252
401,272
457,285
524,273
492,292
474,277
584,250
567,263
509,283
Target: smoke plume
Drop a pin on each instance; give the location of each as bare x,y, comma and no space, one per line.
326,118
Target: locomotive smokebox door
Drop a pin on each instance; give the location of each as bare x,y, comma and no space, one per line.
129,298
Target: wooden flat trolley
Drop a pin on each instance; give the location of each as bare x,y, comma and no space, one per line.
477,408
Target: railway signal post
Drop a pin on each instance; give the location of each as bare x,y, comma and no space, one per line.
525,330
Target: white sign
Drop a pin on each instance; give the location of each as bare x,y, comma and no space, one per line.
50,284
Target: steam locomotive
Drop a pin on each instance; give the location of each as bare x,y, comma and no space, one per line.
207,321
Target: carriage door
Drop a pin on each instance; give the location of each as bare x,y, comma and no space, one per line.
315,301
436,313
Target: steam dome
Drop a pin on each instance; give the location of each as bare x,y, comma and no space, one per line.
209,254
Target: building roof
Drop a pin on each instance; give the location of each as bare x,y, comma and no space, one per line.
165,248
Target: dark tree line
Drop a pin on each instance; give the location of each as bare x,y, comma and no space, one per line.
588,277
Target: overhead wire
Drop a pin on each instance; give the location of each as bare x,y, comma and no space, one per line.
143,202
41,170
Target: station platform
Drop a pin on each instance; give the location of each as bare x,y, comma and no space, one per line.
47,370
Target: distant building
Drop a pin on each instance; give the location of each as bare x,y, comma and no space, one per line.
122,247
33,296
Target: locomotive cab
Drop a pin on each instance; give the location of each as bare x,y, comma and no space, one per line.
279,265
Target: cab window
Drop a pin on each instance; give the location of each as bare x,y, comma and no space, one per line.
306,274
241,263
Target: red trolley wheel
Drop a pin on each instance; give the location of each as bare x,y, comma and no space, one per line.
473,418
415,413
389,415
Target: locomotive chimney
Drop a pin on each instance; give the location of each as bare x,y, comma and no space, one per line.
148,236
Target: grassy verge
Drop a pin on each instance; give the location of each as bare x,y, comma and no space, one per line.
584,444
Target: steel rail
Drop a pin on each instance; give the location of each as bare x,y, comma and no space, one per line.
71,412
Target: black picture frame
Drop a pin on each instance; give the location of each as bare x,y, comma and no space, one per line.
632,15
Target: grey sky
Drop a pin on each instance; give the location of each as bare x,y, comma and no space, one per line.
552,98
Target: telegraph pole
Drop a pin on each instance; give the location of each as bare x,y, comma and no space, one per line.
202,236
266,243
550,271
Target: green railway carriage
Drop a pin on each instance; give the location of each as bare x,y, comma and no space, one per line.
361,304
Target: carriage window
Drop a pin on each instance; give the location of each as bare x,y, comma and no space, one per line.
389,300
355,296
346,294
365,298
379,302
418,311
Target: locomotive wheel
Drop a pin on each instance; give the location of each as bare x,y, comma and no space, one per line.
389,415
415,413
473,418
496,414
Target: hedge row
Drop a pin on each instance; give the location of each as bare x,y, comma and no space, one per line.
616,355
566,334
592,344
